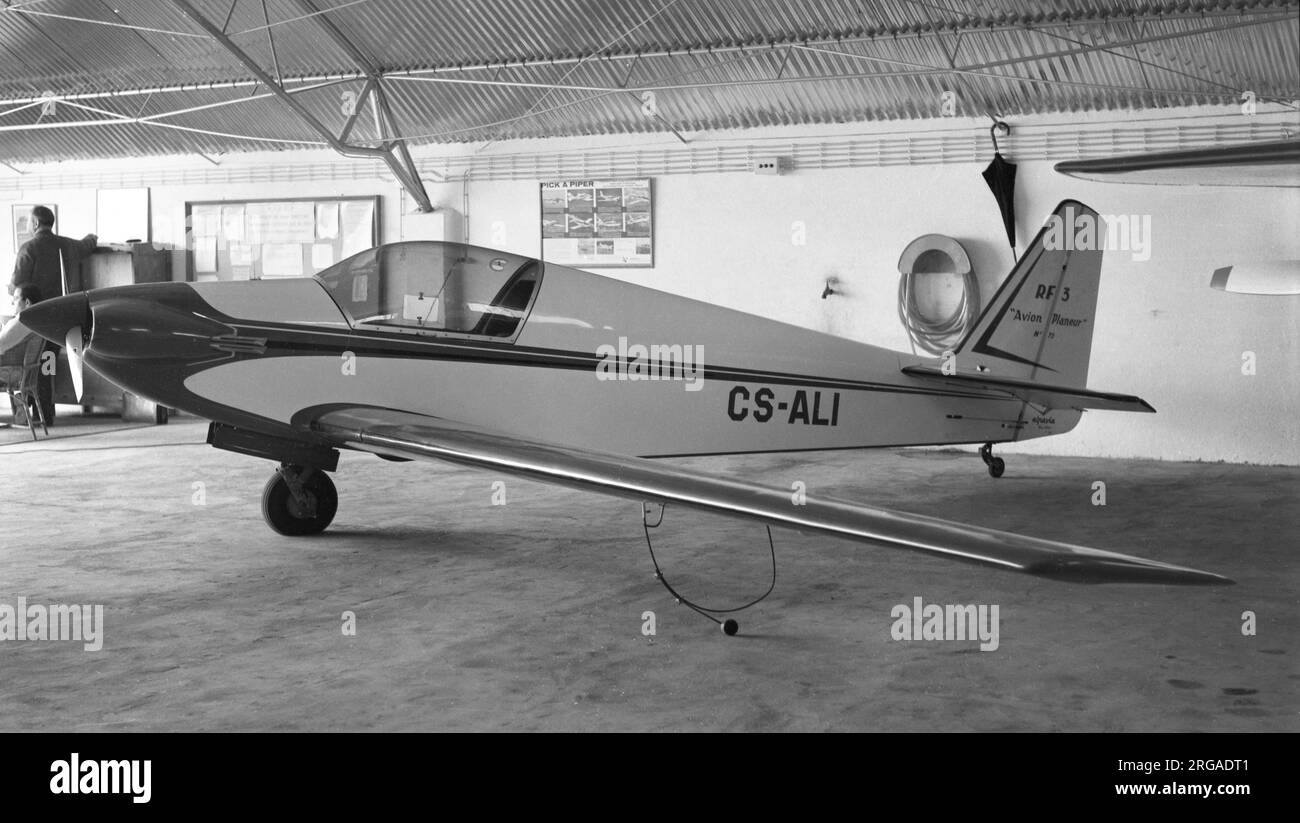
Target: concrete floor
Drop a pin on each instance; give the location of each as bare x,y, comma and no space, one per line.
528,616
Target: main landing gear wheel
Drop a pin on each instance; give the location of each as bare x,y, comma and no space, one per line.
996,464
298,501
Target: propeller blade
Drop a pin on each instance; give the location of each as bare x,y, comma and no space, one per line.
73,343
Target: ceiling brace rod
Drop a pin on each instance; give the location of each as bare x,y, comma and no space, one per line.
378,99
411,182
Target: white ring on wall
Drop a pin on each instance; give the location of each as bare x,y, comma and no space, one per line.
932,254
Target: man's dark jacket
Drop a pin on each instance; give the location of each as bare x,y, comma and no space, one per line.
38,262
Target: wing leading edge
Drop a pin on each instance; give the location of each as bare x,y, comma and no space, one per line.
402,434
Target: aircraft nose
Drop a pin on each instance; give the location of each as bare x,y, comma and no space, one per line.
53,319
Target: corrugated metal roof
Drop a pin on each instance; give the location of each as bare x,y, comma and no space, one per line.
508,69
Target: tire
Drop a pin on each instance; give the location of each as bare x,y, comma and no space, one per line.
997,467
281,512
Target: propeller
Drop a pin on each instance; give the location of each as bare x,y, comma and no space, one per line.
75,347
66,321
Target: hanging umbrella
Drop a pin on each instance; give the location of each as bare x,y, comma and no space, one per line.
1001,177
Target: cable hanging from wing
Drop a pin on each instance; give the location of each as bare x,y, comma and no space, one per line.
729,626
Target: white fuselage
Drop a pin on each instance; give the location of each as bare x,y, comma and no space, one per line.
572,378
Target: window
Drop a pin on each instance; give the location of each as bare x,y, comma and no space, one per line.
429,287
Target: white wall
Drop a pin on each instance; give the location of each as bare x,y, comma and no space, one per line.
1161,332
77,207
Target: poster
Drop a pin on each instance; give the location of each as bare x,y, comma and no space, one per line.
232,224
280,222
241,254
205,254
205,221
327,221
356,222
598,223
24,227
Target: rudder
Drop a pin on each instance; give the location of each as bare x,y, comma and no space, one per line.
1038,326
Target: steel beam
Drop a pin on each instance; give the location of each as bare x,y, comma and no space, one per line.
407,177
392,136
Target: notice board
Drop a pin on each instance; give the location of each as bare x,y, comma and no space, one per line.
598,223
265,239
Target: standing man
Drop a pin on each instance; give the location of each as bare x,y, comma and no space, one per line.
38,258
38,264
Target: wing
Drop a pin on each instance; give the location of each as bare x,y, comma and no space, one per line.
401,434
1037,394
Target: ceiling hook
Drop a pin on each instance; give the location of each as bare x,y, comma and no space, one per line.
998,127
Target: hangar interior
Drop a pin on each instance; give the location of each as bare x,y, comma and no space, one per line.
790,153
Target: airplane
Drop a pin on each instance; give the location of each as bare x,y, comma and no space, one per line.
1267,277
489,359
1274,164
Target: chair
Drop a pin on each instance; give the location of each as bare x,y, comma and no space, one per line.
20,383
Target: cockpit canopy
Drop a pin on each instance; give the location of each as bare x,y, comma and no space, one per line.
435,287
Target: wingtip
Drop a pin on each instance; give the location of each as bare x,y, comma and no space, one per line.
1124,570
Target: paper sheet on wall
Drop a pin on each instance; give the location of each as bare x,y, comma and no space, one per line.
322,256
122,214
232,224
280,222
281,260
356,218
205,221
327,221
205,254
241,254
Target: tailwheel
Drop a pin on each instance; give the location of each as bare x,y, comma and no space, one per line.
299,501
996,464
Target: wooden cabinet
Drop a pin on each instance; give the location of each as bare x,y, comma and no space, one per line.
122,265
115,265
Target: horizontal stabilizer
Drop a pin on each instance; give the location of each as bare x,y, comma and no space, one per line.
1037,394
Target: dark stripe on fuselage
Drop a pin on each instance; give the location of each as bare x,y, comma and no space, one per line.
333,344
